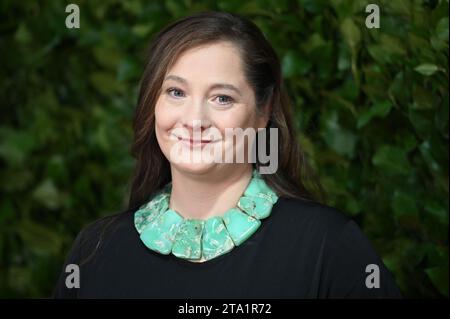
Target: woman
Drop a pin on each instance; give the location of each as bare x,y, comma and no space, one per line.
213,228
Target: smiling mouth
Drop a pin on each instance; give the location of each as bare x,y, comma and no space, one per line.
194,142
191,141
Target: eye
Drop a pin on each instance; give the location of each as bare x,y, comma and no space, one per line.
176,91
225,99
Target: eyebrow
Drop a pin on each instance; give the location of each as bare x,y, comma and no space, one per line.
212,87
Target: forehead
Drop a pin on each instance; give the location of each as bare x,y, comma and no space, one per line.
218,61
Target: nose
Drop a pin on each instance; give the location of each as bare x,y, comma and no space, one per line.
196,117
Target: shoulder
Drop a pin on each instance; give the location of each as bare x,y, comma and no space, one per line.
100,231
324,233
312,217
95,227
313,225
85,246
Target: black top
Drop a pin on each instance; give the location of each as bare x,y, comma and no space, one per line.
302,250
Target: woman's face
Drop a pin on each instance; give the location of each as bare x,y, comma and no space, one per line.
204,95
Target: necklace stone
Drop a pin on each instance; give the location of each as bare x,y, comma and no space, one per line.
165,231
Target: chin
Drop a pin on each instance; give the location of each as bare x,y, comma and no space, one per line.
195,168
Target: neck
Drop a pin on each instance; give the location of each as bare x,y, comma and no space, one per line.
201,196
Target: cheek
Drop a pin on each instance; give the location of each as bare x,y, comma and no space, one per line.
163,123
240,116
163,118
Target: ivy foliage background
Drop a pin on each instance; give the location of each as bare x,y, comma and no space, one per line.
371,105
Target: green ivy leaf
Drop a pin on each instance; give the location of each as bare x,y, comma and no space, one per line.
405,209
441,116
292,65
23,35
391,159
425,150
439,278
341,140
40,239
423,98
128,69
427,69
47,194
16,146
421,121
438,210
442,29
380,109
351,33
105,82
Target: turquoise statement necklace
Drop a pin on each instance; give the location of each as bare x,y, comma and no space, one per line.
165,231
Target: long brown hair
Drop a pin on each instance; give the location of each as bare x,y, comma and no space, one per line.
263,72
